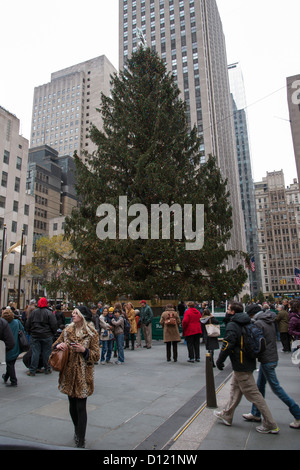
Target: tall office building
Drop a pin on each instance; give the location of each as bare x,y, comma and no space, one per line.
64,108
188,36
293,95
16,208
245,170
278,209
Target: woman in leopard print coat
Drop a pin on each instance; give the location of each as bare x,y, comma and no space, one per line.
77,379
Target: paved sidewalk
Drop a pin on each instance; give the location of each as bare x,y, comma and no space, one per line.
145,404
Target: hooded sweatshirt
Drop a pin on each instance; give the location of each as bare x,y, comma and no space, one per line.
191,322
231,345
266,321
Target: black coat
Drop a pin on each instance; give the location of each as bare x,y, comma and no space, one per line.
231,345
211,343
41,323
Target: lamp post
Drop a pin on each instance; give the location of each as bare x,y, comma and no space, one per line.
2,260
20,269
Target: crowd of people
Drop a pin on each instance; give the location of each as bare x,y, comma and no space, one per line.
99,333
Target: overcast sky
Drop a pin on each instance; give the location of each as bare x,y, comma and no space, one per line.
39,38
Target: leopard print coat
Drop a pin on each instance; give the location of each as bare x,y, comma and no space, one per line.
77,380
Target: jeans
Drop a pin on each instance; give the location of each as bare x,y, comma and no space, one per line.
106,350
40,346
120,346
267,374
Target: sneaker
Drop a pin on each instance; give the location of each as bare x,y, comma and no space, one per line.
218,414
295,424
190,360
102,363
118,362
251,417
264,430
31,374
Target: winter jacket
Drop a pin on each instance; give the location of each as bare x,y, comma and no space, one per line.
191,322
104,326
294,324
41,323
282,319
118,325
15,325
146,315
6,335
231,345
77,379
170,332
131,318
211,343
266,321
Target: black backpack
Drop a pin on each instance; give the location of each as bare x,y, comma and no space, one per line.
253,342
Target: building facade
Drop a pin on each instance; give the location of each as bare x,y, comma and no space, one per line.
278,219
245,171
51,181
64,109
188,36
16,209
293,96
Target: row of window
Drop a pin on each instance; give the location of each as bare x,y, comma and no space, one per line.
4,181
6,157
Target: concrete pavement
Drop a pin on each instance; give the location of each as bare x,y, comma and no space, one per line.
144,404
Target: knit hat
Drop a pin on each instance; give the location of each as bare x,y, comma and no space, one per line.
42,302
253,309
8,315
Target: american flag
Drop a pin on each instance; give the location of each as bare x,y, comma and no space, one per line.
297,276
252,264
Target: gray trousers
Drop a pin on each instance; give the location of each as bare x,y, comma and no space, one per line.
243,383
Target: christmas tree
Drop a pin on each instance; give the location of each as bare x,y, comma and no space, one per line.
146,153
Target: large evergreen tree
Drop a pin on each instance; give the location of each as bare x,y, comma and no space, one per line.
146,152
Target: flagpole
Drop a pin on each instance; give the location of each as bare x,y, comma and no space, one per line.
2,260
20,269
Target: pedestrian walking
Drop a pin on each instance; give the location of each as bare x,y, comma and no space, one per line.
294,322
41,325
282,320
267,369
118,323
242,382
192,331
77,378
133,327
146,316
211,342
106,336
12,355
170,322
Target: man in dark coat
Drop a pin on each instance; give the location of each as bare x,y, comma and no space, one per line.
243,382
41,325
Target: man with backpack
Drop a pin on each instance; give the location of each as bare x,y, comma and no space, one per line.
243,365
265,319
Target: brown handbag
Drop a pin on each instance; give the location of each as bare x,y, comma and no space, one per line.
59,358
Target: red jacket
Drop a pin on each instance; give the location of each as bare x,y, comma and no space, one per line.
191,322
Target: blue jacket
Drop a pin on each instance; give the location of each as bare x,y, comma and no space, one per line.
15,326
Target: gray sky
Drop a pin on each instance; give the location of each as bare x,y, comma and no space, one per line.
263,35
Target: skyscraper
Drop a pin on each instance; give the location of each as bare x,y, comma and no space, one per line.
278,222
188,35
64,108
245,169
293,95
